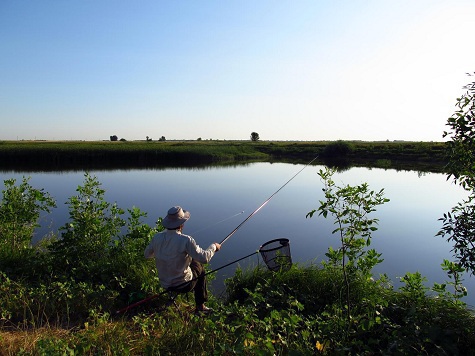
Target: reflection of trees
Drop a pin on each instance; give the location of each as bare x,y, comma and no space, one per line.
338,164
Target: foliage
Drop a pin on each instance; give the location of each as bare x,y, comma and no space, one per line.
337,155
338,149
20,211
459,227
93,228
350,206
384,321
254,136
454,271
278,315
459,223
97,263
461,148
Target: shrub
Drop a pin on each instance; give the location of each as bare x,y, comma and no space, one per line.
338,149
20,210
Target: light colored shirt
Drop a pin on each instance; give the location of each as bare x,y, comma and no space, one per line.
173,252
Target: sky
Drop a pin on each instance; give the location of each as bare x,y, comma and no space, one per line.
185,69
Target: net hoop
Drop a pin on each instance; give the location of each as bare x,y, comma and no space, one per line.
276,254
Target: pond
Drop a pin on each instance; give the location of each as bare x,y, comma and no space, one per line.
220,198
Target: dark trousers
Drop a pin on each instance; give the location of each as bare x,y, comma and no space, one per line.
197,284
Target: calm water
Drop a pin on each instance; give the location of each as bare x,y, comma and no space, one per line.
405,236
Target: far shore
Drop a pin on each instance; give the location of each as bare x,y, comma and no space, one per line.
52,155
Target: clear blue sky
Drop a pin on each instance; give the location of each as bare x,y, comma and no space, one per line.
289,70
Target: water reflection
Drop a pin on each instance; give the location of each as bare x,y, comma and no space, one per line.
407,227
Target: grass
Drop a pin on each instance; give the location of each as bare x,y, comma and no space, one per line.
65,155
298,311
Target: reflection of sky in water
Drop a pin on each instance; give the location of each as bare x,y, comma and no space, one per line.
407,224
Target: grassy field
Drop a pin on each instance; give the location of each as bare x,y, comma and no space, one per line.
63,155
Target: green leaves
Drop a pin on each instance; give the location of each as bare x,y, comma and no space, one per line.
94,225
454,271
459,227
20,211
461,148
350,207
459,224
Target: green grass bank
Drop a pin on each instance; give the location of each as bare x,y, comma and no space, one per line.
66,155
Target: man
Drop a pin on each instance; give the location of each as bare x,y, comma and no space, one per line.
179,259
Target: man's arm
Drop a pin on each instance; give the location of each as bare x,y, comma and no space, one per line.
199,254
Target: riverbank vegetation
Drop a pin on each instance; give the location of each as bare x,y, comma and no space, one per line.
70,155
62,295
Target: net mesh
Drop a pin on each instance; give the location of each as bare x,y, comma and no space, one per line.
276,254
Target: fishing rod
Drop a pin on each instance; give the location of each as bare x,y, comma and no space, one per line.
226,238
123,310
265,202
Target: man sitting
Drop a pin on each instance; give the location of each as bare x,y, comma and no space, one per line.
179,260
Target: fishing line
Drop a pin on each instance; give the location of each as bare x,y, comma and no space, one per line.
268,199
219,222
226,238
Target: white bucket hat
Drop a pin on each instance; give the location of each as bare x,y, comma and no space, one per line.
176,216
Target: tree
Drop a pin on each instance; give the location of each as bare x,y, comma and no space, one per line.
254,136
461,150
459,223
337,149
162,138
351,207
114,138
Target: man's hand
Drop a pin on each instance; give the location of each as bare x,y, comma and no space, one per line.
218,246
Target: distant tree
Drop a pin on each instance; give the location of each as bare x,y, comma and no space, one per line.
148,139
254,136
198,139
162,138
114,138
123,139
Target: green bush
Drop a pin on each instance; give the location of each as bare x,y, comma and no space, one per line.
338,149
96,263
20,210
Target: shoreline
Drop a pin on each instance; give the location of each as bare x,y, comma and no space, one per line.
106,155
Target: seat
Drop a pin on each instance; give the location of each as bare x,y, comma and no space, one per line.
173,294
